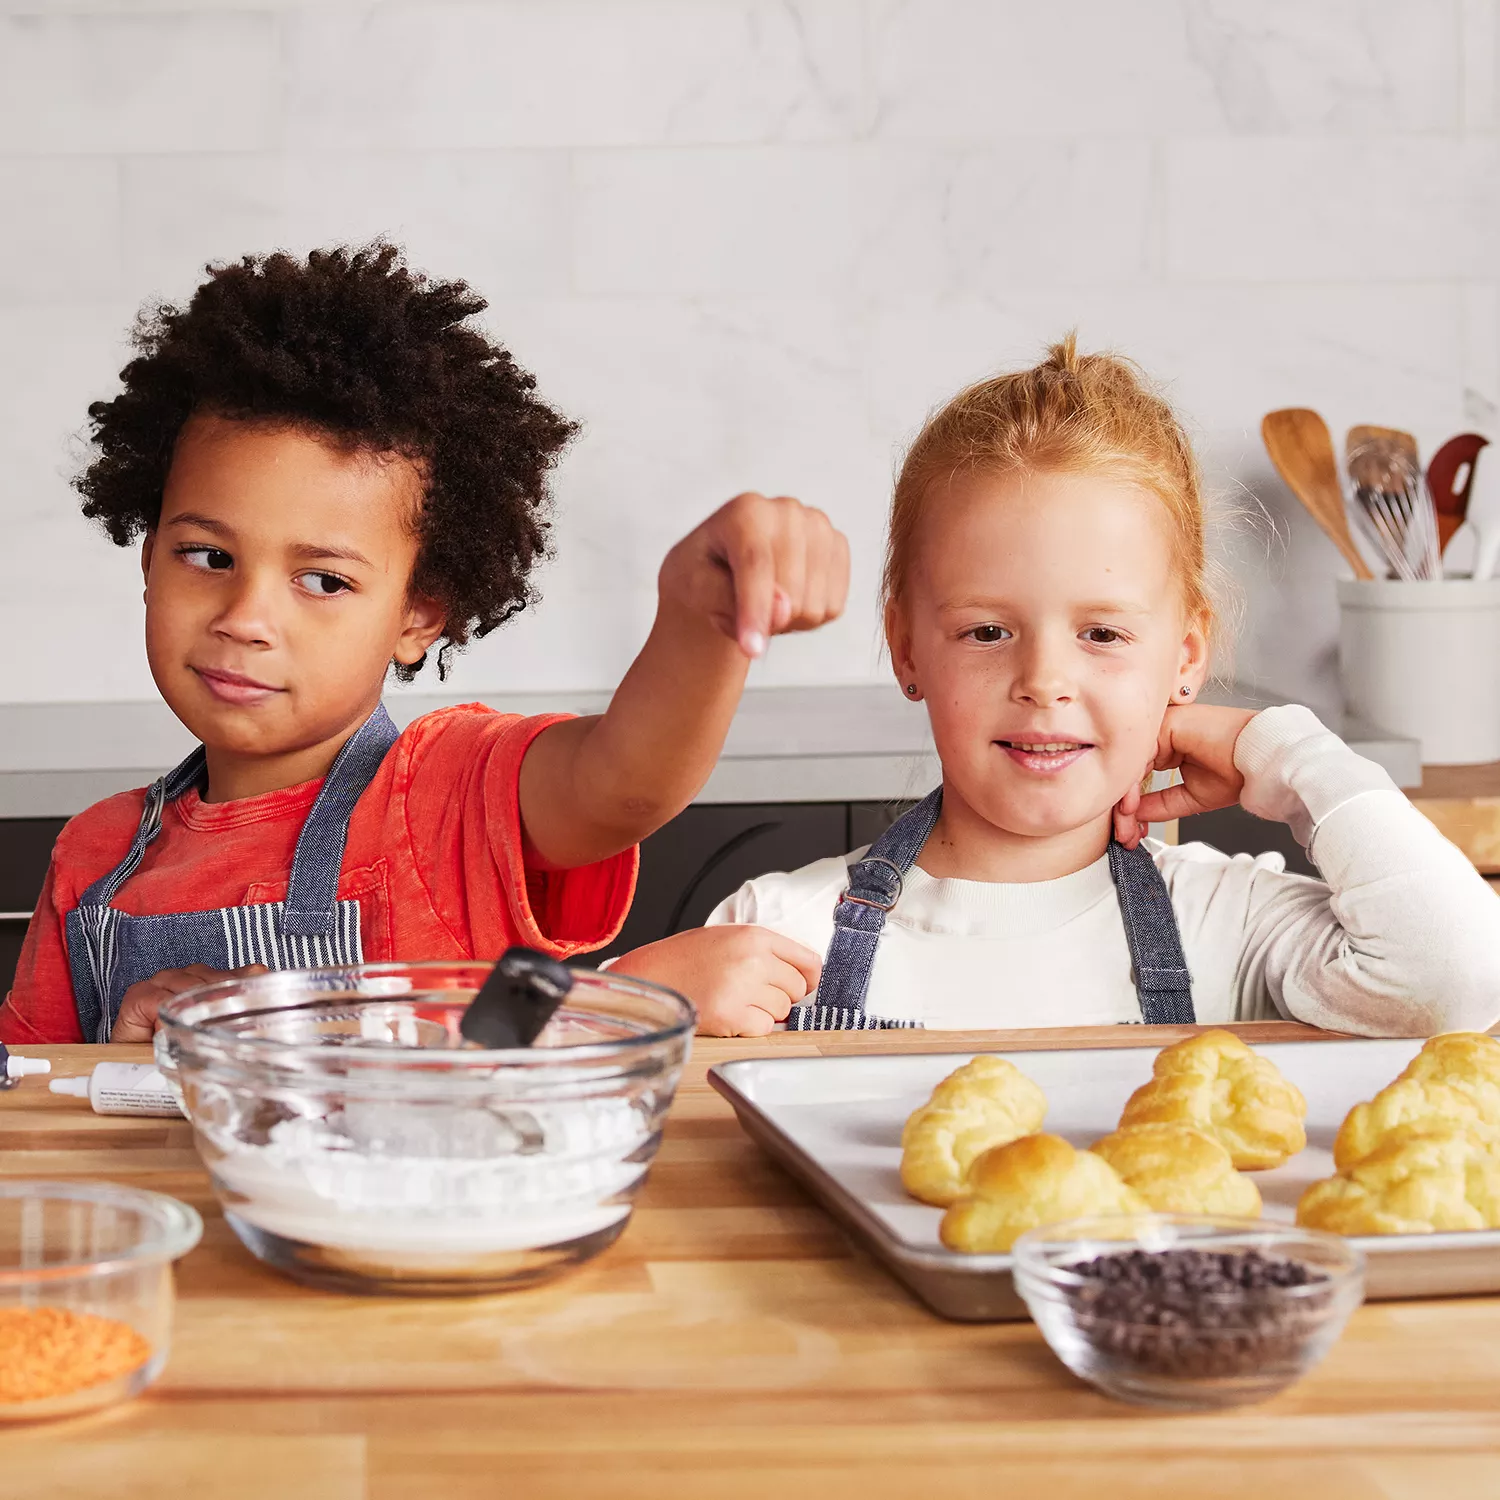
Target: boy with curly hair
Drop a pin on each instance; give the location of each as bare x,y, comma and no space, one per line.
335,473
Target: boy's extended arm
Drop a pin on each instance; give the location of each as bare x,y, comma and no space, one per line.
757,567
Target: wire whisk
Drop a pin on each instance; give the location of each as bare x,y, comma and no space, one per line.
1395,510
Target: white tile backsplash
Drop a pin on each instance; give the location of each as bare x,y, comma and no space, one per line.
59,236
1334,67
178,81
59,357
500,219
1411,208
749,243
1226,355
951,221
967,69
716,221
574,73
1479,63
1479,316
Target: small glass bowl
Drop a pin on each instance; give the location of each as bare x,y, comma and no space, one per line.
1188,1351
355,1142
89,1250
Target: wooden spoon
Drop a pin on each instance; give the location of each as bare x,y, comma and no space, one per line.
1450,500
1301,447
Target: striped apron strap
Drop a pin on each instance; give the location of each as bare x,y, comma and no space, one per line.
312,890
1162,982
859,918
92,969
187,774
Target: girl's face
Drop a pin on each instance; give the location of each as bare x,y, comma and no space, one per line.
1044,627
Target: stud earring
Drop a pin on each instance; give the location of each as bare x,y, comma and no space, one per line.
1185,690
911,690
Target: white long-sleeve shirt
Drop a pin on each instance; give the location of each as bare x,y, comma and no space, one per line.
1401,936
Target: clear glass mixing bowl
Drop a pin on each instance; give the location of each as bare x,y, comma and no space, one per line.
356,1143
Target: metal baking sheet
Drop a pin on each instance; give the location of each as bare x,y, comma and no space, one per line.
835,1123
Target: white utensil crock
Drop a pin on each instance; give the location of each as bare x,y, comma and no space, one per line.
1423,660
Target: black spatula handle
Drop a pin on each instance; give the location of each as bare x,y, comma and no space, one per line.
515,1003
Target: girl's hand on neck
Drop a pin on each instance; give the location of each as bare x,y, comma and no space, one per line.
1197,739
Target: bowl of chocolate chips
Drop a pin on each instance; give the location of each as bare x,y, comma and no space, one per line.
1185,1312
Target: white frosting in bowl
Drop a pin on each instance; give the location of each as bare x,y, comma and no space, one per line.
440,1179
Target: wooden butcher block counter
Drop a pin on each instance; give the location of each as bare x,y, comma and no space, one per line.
730,1346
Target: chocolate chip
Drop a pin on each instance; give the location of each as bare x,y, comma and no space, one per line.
1195,1313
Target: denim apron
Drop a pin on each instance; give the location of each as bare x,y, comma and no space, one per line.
110,950
1162,982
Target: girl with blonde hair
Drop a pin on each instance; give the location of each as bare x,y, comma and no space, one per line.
1046,595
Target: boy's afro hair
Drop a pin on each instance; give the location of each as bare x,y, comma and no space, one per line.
354,344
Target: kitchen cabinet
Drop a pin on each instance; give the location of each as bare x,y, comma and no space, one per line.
710,850
1234,831
25,848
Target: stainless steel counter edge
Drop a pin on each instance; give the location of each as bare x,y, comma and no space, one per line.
859,742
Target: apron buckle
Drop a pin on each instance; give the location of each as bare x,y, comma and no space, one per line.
894,868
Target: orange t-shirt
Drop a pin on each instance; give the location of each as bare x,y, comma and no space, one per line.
435,858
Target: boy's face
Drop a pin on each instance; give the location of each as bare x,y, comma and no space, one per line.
1042,611
277,586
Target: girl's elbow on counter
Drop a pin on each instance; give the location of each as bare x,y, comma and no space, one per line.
1457,990
1466,995
1460,991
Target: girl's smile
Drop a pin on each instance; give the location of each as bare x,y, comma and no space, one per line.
1046,758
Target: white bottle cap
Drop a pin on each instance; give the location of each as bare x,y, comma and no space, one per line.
78,1088
24,1067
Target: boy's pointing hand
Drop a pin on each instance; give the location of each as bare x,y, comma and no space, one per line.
753,569
760,567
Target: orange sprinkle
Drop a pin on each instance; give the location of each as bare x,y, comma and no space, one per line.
49,1351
